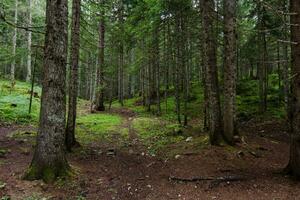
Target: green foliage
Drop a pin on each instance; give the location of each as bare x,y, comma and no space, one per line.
156,133
248,98
14,103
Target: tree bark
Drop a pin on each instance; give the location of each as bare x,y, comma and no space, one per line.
49,160
229,69
212,83
294,163
73,86
263,72
14,43
29,38
100,75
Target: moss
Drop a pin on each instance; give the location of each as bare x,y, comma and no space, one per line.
47,174
14,103
95,127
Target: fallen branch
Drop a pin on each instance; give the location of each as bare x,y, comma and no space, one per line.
215,180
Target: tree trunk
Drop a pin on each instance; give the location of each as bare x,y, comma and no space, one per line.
73,86
229,69
49,160
100,75
28,77
263,72
285,67
13,65
210,60
294,163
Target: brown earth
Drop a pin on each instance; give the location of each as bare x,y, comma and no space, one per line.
124,171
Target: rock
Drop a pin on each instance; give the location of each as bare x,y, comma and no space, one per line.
2,185
177,157
189,139
240,154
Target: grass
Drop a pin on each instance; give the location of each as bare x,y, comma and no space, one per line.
14,103
94,127
156,134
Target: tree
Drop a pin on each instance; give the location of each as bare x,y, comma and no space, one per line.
100,71
229,69
29,38
49,160
73,86
294,163
13,65
210,62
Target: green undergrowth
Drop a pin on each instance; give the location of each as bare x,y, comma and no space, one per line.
14,103
156,134
168,139
248,100
95,127
168,105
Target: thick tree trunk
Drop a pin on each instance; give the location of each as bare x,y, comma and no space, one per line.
49,161
14,43
28,76
73,86
294,163
100,75
229,69
212,83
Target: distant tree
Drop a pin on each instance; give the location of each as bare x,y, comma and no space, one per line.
99,104
73,86
29,40
14,41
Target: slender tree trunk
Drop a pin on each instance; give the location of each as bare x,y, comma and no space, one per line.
28,77
100,75
263,72
285,67
229,69
49,160
156,61
73,86
212,83
14,43
294,163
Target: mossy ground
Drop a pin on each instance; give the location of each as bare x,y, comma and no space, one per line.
14,103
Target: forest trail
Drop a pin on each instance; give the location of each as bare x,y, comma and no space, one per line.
124,170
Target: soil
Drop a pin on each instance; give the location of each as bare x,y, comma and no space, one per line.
124,171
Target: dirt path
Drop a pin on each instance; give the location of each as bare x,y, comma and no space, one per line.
128,173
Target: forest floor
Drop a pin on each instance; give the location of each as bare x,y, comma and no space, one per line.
124,168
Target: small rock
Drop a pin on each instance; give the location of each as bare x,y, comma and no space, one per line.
177,156
240,154
189,139
2,185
